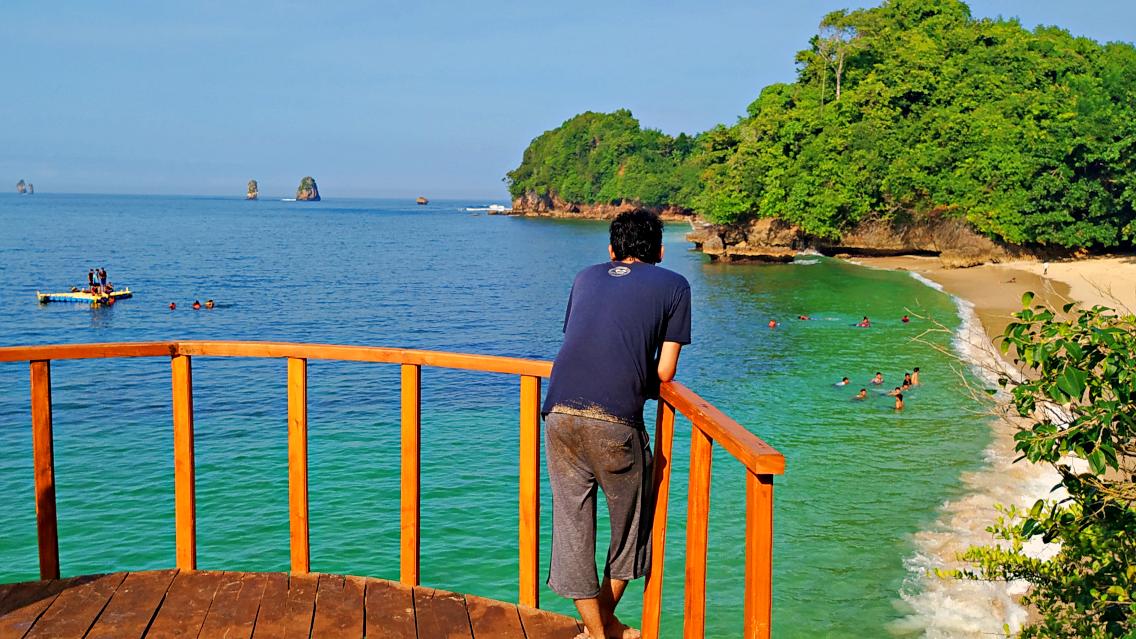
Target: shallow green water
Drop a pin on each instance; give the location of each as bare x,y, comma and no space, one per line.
860,480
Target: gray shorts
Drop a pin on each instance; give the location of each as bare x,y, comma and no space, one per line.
583,453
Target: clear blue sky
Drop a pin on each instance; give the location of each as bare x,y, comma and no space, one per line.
384,98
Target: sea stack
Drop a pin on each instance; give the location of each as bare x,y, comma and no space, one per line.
31,189
421,200
21,187
253,190
308,190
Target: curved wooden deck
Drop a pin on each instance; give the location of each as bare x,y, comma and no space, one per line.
206,604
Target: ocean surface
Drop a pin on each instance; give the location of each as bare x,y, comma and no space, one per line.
862,483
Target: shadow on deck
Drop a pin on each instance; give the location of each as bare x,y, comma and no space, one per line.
205,604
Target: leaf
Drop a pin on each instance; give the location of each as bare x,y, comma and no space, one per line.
1027,297
1072,381
1096,461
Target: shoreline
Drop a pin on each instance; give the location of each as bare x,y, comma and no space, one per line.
996,290
986,296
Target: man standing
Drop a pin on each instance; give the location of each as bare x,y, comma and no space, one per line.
626,322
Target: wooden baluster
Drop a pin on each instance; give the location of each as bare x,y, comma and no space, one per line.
697,528
530,492
185,508
43,456
653,587
411,474
759,556
298,463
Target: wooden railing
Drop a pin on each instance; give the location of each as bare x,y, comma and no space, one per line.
709,425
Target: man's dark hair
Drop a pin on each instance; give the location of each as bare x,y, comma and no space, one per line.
637,233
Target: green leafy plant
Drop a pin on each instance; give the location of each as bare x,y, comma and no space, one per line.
1079,396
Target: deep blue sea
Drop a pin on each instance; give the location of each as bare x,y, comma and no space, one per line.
861,478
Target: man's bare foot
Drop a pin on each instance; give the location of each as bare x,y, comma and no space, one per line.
614,630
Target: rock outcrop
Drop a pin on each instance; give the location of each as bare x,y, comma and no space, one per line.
21,187
953,241
308,191
532,204
253,190
421,201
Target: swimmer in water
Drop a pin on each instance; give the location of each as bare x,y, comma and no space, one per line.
905,386
895,392
905,319
173,307
209,304
196,305
899,401
772,323
863,394
865,323
878,379
915,376
842,382
803,317
907,379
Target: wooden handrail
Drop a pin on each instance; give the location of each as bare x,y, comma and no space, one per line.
709,426
748,448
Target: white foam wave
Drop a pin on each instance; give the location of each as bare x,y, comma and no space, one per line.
939,607
805,262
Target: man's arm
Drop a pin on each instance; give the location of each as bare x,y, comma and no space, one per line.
668,360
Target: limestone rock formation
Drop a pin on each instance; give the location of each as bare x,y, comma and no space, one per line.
308,191
21,187
953,241
422,201
253,190
532,204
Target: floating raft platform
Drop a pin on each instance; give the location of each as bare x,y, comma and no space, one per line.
168,603
83,296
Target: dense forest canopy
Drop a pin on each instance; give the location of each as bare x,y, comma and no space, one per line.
910,110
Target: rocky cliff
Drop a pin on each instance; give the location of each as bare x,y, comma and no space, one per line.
253,190
953,241
308,190
552,206
21,187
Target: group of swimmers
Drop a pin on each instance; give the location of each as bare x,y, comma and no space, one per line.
864,323
196,305
909,380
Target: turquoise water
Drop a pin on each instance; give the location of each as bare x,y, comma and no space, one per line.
861,479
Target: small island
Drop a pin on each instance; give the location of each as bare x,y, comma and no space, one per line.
253,192
421,201
21,187
308,191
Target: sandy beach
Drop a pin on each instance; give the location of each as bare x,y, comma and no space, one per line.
996,289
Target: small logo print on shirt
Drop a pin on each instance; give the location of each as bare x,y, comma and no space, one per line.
619,271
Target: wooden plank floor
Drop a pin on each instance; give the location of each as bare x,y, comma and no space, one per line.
243,605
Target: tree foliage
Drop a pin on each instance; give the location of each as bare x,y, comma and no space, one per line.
1080,394
912,109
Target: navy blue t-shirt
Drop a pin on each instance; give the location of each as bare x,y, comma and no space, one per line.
618,317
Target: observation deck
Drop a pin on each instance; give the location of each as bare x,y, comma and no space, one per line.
186,602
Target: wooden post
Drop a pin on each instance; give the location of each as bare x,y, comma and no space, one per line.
185,508
530,492
653,587
697,525
759,556
43,456
411,474
298,463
